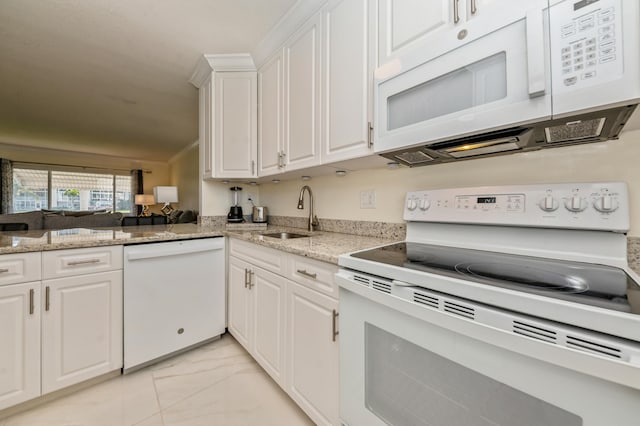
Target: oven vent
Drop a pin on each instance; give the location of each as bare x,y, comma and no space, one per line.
534,332
362,280
458,309
582,344
381,286
425,299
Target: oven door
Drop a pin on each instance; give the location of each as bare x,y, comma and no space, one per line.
405,364
497,79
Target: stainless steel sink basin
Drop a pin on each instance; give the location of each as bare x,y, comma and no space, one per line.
284,235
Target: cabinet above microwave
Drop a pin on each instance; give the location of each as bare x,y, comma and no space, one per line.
498,76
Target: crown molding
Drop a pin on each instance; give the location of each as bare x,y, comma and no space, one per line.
209,63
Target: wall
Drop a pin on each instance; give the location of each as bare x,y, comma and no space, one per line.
156,173
339,197
183,173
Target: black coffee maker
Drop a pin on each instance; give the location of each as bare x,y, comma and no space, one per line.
235,212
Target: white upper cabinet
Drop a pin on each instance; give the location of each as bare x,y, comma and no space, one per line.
270,124
348,62
302,97
227,116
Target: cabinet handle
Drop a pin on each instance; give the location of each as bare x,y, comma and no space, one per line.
253,167
246,279
307,274
31,305
83,262
334,325
47,298
370,136
456,12
3,270
474,7
251,273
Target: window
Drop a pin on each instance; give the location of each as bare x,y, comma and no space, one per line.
42,187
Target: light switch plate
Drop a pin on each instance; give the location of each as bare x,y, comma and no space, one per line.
368,199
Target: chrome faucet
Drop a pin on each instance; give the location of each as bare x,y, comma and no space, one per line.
313,219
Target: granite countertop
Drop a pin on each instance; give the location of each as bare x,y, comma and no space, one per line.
321,245
44,240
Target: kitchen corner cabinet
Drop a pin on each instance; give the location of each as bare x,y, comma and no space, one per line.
228,125
283,310
349,52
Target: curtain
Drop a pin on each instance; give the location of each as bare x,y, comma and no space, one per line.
6,186
137,187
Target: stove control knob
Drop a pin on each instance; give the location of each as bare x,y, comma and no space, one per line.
548,204
424,205
412,204
605,204
575,204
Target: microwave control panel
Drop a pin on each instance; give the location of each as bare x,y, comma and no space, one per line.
586,43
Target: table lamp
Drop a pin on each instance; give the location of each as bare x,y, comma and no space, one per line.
144,200
166,195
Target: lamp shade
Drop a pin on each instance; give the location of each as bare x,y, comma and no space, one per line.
144,199
166,194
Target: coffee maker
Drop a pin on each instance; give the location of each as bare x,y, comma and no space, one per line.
235,212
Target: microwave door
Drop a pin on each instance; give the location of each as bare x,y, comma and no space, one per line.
496,80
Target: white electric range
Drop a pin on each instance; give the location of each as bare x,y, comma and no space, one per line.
505,305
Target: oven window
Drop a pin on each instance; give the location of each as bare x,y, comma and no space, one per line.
406,384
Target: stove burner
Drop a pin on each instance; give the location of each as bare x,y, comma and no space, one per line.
525,275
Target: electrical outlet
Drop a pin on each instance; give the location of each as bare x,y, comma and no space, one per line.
368,199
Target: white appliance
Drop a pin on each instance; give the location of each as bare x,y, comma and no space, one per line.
505,305
174,297
519,80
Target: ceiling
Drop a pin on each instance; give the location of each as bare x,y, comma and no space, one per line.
111,77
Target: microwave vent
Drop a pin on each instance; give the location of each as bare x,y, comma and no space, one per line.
575,130
412,158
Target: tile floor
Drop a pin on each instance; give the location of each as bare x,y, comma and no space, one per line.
216,384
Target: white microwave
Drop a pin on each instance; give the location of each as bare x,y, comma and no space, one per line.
517,80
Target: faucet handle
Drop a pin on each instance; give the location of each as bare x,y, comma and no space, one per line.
315,221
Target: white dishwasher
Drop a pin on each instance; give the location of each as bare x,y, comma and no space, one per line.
174,297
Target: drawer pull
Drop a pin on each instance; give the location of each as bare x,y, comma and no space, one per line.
47,298
83,262
251,273
4,270
307,274
334,325
246,277
31,305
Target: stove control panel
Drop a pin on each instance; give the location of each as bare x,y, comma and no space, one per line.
598,206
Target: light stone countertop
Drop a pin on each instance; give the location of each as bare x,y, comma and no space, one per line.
322,245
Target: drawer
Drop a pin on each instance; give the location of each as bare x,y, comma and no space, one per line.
20,268
66,263
314,274
267,258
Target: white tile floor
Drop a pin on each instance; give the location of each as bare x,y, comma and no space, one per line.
216,384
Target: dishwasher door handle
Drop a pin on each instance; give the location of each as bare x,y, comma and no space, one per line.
139,255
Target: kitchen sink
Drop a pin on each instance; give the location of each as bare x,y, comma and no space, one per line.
284,235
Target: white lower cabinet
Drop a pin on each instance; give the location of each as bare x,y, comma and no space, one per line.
81,328
287,324
19,343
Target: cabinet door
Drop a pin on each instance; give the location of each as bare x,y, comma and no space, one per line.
347,73
302,96
235,111
270,119
239,303
81,328
206,128
268,291
20,343
312,354
404,25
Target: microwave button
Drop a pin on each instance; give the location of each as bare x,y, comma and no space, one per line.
609,58
578,67
568,29
578,60
567,63
588,75
590,49
592,63
606,29
605,37
567,70
587,23
591,56
590,42
607,45
577,46
608,51
606,19
568,49
578,53
606,12
570,81
566,56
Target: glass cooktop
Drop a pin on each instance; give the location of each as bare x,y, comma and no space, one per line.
591,284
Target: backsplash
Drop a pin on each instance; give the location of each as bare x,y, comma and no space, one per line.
354,227
633,253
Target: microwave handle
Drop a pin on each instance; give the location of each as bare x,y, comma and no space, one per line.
535,53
